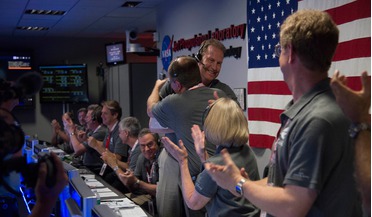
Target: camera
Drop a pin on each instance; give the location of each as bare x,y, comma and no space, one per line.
30,171
27,84
12,137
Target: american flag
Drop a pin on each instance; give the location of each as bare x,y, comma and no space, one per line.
267,92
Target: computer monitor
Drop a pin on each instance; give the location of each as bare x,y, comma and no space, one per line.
82,195
73,210
64,83
70,170
68,206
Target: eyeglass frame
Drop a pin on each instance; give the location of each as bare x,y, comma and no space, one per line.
148,145
278,50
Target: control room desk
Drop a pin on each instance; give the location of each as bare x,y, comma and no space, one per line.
140,200
109,195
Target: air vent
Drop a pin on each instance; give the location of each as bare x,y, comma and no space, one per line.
32,28
45,12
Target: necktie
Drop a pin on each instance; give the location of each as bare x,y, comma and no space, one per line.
108,140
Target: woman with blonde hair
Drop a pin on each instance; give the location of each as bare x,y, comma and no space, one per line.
226,126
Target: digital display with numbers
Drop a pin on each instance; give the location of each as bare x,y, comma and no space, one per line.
64,83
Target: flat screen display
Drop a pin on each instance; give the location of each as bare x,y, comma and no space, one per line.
12,66
64,83
115,53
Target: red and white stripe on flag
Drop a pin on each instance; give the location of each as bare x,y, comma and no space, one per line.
267,93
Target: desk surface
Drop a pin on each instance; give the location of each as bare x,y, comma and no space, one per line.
140,200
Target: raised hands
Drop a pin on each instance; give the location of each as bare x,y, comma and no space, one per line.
92,142
226,176
355,104
109,158
55,125
216,97
179,153
128,178
199,142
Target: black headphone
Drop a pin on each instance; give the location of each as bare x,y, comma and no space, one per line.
173,72
157,138
199,55
96,114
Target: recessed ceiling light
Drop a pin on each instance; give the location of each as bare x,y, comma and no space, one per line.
131,4
45,12
32,28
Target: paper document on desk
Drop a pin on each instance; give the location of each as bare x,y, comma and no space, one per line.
119,203
133,212
94,184
107,194
88,176
57,151
103,190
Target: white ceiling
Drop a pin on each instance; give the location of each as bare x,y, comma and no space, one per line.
83,18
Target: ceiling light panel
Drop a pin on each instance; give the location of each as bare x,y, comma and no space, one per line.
45,12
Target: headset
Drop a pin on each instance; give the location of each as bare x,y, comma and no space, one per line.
12,139
199,55
172,71
96,114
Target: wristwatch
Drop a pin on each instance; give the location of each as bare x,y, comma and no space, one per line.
136,184
355,128
115,168
239,187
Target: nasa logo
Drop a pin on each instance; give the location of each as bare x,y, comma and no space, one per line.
166,52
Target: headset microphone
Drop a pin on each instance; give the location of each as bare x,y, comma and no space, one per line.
198,59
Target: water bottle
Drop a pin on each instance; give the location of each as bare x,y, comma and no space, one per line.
97,196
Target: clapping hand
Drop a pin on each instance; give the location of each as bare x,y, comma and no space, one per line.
109,158
226,176
355,104
199,142
127,178
179,153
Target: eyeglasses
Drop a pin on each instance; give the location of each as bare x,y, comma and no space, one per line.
174,74
278,50
149,145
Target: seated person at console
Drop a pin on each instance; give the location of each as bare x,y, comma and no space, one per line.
146,175
79,139
60,137
129,128
82,113
111,115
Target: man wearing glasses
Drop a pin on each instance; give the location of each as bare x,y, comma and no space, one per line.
146,174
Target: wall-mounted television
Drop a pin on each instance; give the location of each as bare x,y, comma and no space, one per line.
115,53
64,83
14,64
